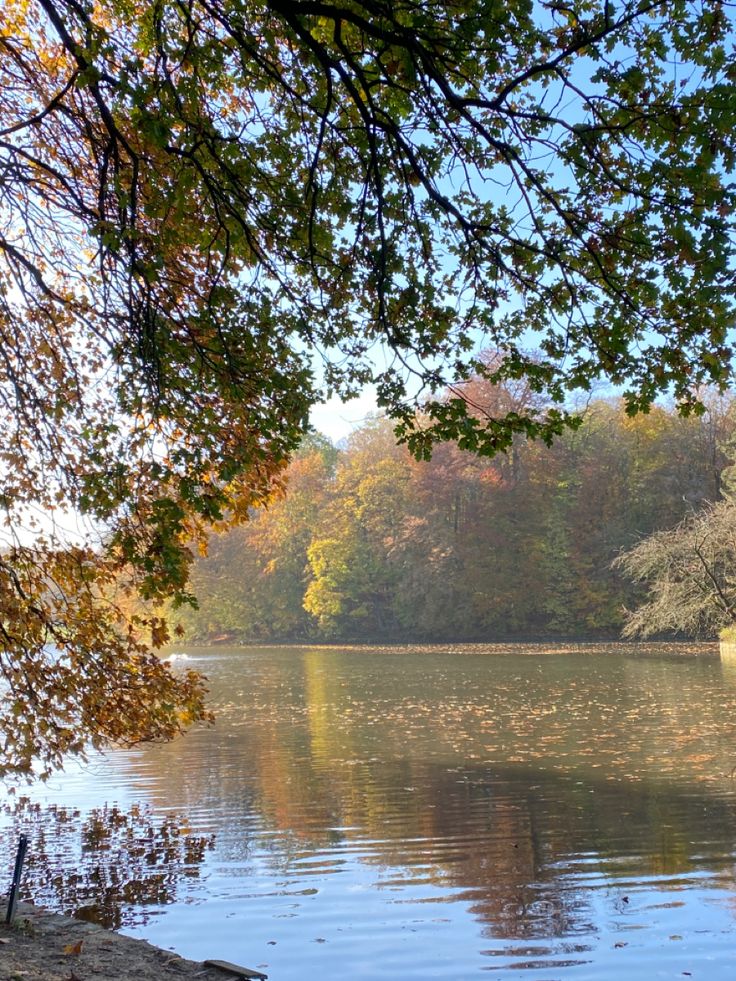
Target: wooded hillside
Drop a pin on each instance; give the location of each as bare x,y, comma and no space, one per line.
369,543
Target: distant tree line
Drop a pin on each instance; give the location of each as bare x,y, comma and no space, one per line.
368,543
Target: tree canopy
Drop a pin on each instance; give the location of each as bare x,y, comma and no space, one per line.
375,546
689,574
212,211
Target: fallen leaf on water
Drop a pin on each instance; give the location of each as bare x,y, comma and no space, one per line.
73,950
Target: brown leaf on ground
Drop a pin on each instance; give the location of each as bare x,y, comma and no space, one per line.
74,950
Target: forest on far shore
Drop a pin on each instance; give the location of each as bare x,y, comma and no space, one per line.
369,544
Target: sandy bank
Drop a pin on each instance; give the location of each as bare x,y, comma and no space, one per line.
43,946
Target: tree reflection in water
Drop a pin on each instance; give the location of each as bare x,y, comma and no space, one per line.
126,861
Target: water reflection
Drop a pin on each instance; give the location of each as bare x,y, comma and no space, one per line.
109,866
498,809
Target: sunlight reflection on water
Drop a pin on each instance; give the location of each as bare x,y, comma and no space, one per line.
419,813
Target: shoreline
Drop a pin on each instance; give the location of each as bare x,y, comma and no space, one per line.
470,646
44,946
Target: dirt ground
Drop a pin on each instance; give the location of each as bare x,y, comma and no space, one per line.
42,946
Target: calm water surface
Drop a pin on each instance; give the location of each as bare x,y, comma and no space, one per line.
513,811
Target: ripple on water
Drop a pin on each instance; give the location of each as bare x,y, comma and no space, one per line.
418,813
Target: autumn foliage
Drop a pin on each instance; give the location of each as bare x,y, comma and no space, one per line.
213,212
369,544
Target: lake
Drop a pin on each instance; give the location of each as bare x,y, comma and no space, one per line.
503,811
